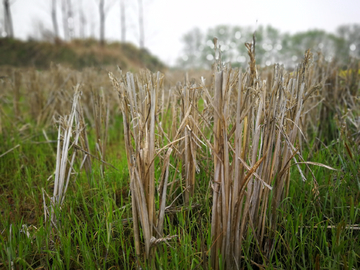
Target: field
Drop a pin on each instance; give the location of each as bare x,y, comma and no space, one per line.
239,169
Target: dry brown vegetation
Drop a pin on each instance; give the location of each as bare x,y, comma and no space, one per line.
77,54
230,141
253,128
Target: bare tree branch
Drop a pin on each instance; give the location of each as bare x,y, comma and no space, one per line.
123,20
8,25
141,25
103,11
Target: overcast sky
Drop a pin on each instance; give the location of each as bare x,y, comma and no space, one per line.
166,21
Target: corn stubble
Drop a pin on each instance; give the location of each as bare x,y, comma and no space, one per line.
253,131
252,151
69,126
250,126
138,98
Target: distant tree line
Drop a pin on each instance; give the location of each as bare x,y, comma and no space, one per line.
272,46
74,20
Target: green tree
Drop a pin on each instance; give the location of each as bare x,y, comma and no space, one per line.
350,38
272,46
193,47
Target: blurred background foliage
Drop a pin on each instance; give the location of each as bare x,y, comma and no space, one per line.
77,53
272,46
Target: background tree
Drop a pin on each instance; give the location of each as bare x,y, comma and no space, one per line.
193,47
82,20
103,11
102,21
268,48
64,7
272,46
316,40
123,20
350,38
54,18
2,29
8,25
141,24
224,35
70,19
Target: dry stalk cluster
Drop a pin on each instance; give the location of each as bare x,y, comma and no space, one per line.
256,127
101,118
69,126
252,128
138,101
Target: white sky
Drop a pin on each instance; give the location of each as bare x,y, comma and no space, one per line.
166,21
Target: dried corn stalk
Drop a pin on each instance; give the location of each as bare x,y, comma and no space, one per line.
138,103
68,127
252,152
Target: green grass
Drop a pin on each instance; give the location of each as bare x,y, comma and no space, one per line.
95,223
96,233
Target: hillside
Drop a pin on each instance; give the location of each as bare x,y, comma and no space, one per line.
77,54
